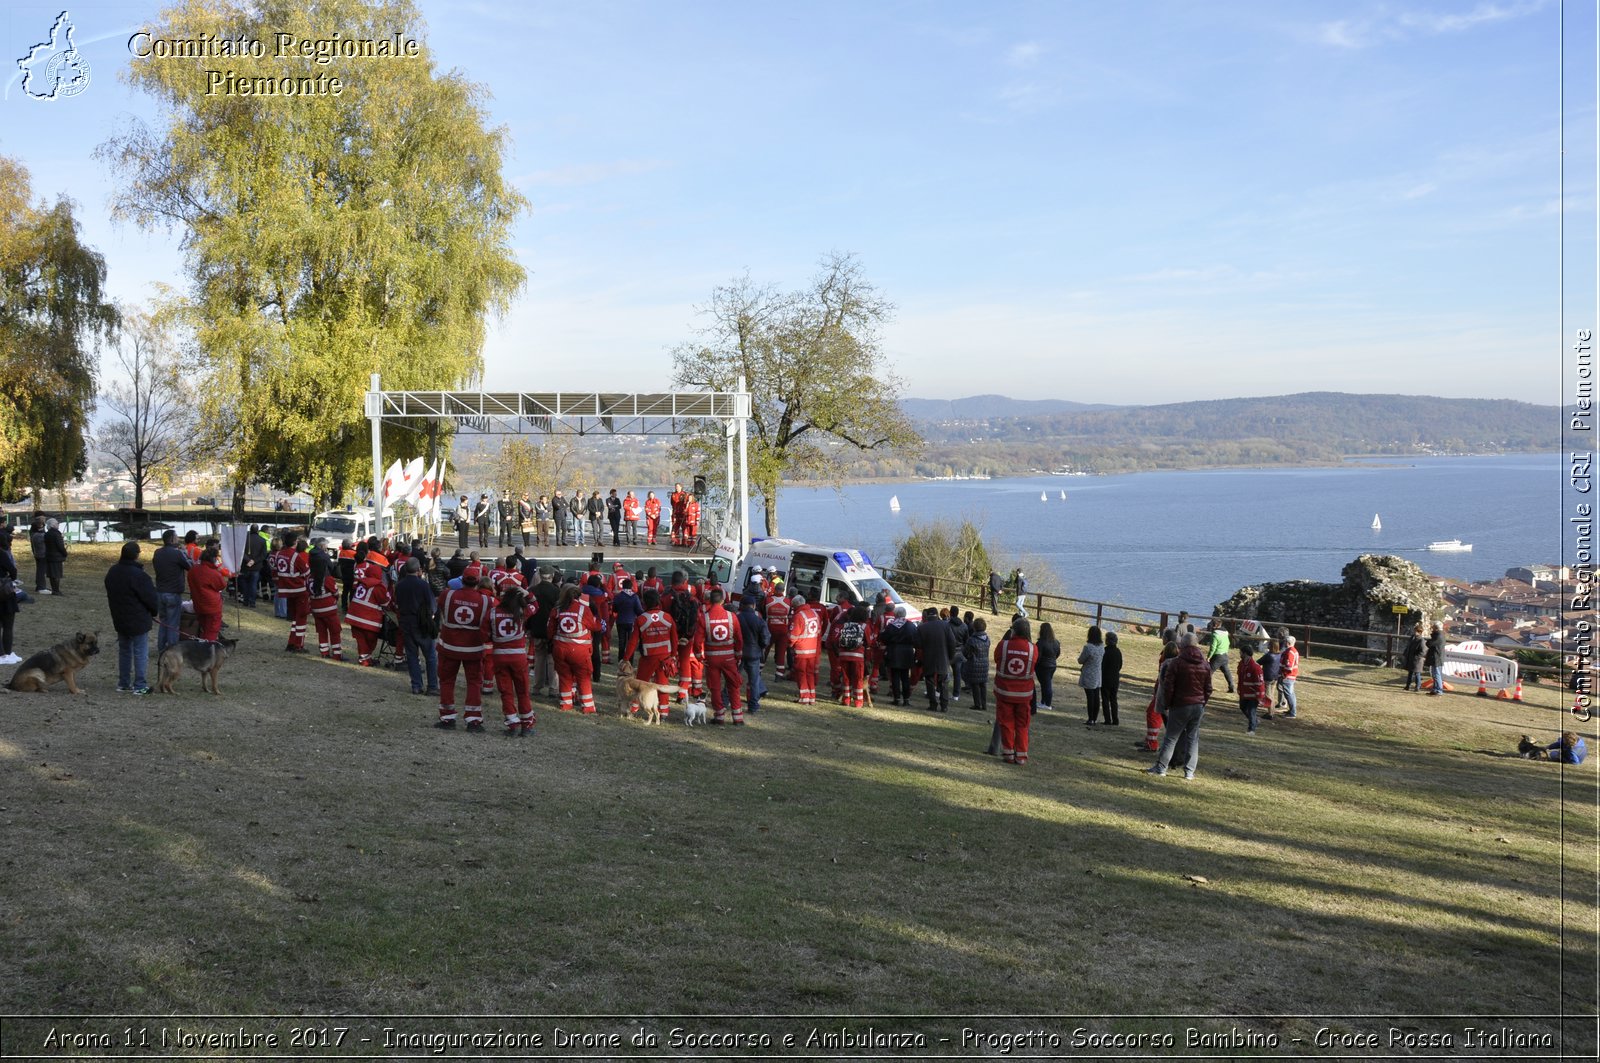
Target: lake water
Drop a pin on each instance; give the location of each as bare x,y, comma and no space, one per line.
1188,540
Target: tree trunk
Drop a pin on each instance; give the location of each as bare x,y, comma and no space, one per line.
769,504
238,501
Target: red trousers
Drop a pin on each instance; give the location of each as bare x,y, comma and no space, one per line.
780,653
1013,713
835,677
720,670
330,635
366,642
651,526
574,675
449,664
511,676
299,608
691,672
209,624
805,677
852,673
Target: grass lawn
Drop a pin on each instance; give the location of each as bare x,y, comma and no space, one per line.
307,843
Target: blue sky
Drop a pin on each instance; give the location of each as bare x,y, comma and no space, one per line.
1124,202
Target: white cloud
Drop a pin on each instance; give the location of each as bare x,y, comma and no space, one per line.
1394,24
1024,55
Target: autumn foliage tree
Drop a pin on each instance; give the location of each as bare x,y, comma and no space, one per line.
327,237
820,383
53,317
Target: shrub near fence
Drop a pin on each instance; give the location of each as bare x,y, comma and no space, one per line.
1351,644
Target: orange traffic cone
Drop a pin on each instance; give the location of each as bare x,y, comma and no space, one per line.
1518,695
1483,684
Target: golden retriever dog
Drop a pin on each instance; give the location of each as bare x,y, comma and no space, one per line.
634,694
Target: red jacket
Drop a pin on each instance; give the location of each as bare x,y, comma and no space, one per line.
654,633
367,602
805,629
462,617
507,633
630,507
576,624
292,570
206,583
718,637
652,508
778,615
1251,685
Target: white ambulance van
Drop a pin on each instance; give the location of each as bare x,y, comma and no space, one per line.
802,567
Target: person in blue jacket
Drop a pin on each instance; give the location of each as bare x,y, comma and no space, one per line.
757,638
1568,749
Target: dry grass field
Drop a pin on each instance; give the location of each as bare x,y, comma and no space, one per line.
307,843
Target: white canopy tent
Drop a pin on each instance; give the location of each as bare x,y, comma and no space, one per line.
576,413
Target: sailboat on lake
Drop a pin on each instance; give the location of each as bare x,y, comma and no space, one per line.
894,503
1377,525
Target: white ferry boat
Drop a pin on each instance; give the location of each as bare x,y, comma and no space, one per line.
1449,546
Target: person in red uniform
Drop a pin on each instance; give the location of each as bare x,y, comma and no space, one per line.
854,643
572,629
656,636
368,602
508,635
806,625
291,570
630,517
325,614
206,584
778,610
463,633
685,610
830,642
652,517
691,521
678,501
718,641
1015,659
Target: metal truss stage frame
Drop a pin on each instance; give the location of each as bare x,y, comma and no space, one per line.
576,413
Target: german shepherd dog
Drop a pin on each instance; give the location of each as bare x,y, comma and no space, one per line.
64,660
204,657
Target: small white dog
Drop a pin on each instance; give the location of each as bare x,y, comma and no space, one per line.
694,712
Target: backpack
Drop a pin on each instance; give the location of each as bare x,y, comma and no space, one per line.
851,635
685,613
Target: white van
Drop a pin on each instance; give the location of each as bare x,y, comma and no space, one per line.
338,525
803,567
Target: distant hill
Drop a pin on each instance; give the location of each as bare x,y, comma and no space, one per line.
1021,436
983,407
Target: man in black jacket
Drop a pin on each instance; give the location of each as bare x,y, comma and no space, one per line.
413,599
55,554
255,559
132,597
172,581
937,644
505,508
995,584
482,516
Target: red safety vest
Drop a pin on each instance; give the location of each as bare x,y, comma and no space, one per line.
507,633
652,508
1014,661
293,571
1291,663
778,614
461,615
655,634
805,630
575,624
325,600
630,508
719,633
366,606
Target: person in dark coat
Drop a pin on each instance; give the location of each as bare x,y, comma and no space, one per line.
937,647
41,567
975,664
131,594
614,518
959,630
757,637
1411,659
1044,669
1110,679
172,566
413,599
251,566
55,554
1433,659
899,638
8,597
995,586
